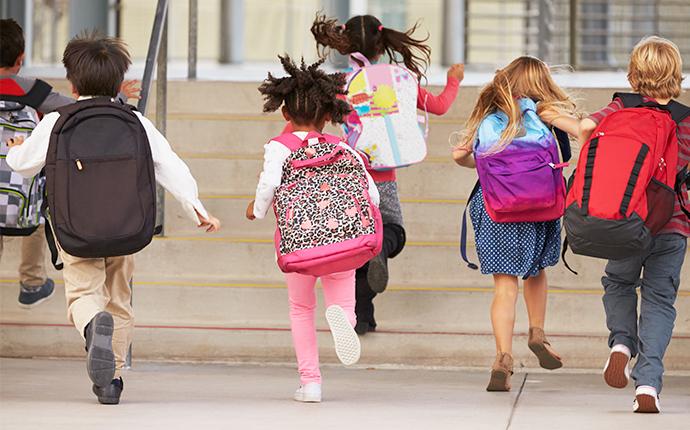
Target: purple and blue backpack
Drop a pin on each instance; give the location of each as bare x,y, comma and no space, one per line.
524,181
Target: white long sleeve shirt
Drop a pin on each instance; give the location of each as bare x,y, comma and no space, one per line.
171,172
275,154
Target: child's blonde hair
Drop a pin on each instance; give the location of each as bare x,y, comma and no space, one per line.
525,76
655,68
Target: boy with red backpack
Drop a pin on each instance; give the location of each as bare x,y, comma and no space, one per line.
628,191
325,202
102,160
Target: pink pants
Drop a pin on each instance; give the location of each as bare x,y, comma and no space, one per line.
338,289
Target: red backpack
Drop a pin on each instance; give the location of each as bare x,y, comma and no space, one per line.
624,189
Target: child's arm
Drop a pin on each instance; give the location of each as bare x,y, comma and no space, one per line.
173,174
464,158
275,154
439,105
568,123
29,157
586,127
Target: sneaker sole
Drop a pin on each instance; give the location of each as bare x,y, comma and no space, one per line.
347,346
546,360
646,404
307,399
498,381
377,275
614,374
100,359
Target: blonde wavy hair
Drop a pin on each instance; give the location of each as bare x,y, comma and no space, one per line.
655,68
525,76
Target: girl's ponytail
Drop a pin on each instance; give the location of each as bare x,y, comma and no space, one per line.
415,54
366,34
329,34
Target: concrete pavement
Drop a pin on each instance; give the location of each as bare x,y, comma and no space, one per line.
55,395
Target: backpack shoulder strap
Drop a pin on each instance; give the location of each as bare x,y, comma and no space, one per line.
629,100
34,98
678,111
292,142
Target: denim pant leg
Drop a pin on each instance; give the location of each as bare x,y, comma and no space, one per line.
659,289
620,301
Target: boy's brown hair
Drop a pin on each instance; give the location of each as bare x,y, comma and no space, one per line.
655,68
96,64
11,42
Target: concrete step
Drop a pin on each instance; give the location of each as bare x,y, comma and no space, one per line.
425,220
207,303
211,322
252,259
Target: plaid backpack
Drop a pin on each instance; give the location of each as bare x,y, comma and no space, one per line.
326,220
20,198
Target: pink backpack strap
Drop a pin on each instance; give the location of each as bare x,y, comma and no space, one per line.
291,142
361,59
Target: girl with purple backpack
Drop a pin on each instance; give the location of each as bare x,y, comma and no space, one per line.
517,204
325,202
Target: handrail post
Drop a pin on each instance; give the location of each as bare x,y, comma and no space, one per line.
573,33
159,33
192,41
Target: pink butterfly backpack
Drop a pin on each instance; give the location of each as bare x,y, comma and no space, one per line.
326,220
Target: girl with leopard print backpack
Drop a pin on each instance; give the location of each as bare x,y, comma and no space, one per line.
325,204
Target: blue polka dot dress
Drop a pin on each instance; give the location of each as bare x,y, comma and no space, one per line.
515,248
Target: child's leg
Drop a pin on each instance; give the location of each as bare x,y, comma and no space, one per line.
503,311
302,304
659,290
535,299
118,275
32,269
620,301
84,289
339,289
364,307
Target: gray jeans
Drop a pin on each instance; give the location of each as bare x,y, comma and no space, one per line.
648,338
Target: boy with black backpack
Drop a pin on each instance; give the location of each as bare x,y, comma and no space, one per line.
102,159
627,203
22,101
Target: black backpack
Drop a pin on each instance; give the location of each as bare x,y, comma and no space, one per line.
100,180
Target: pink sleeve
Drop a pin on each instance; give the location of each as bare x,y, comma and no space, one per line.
438,105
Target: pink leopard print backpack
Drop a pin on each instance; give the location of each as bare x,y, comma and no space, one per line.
326,220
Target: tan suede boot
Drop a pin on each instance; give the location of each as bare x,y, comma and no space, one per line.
501,372
537,343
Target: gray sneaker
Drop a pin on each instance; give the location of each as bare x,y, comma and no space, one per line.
33,296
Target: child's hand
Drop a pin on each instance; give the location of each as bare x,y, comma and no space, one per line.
457,71
131,89
250,211
211,224
15,141
549,115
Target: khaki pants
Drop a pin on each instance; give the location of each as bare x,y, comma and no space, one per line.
32,269
93,285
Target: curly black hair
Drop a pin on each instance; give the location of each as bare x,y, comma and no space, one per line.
308,93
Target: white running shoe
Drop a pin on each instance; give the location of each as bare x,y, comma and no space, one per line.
646,400
616,371
309,393
347,345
